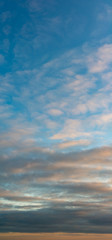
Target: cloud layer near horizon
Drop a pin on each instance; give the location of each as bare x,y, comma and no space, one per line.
53,192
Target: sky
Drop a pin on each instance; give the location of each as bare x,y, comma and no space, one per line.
56,119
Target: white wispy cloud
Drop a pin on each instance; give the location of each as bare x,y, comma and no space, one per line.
103,119
61,107
68,144
101,60
72,129
55,112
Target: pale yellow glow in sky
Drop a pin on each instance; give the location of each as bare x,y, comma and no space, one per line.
54,236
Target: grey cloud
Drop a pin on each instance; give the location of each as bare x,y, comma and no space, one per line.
55,220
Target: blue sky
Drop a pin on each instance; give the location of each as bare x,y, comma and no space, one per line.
56,113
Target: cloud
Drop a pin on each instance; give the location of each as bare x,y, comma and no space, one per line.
64,100
58,220
1,59
102,59
106,14
73,143
33,6
72,129
55,112
65,189
5,16
48,179
103,119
